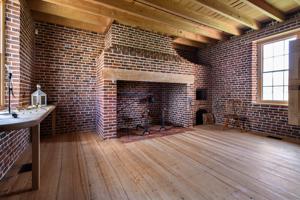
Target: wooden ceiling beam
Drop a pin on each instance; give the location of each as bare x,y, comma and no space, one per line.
140,10
174,9
266,9
38,16
52,9
229,12
187,42
130,20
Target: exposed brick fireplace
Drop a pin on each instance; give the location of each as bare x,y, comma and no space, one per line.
133,98
136,64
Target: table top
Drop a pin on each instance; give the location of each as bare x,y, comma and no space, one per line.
25,119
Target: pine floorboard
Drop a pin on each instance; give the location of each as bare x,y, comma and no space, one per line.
204,163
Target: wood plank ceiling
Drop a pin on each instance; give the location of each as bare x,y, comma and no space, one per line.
190,22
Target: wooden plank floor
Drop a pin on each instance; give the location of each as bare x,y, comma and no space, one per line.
205,163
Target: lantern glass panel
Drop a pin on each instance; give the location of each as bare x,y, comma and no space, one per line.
39,97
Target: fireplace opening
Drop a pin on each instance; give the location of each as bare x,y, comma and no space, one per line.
146,106
199,116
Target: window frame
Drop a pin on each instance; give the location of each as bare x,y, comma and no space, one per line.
2,54
260,45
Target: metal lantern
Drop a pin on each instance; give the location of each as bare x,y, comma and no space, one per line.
38,98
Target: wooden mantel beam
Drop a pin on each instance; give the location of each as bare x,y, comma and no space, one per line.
229,12
266,8
140,10
176,10
127,19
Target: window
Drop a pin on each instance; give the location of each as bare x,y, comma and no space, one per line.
274,70
2,51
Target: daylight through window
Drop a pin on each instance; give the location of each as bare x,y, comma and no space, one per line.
275,70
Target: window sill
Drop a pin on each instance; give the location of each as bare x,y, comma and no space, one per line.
271,103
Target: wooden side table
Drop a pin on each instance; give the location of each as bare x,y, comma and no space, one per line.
31,120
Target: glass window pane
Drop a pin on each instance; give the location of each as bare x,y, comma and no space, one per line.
278,78
267,93
279,63
267,79
286,47
268,50
268,65
286,93
286,78
286,62
278,93
275,73
278,48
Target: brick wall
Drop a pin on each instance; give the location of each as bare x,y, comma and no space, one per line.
179,100
27,80
126,36
134,49
132,102
66,70
234,75
99,94
19,55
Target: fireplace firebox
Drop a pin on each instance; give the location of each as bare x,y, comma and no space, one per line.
141,104
199,116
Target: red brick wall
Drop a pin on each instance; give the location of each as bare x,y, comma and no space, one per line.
66,70
234,65
99,95
179,103
203,81
134,49
131,102
27,83
126,36
19,54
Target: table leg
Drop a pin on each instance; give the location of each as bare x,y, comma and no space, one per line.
35,133
53,115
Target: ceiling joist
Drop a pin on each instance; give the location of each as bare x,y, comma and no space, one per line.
266,9
178,10
127,19
191,22
140,10
229,12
